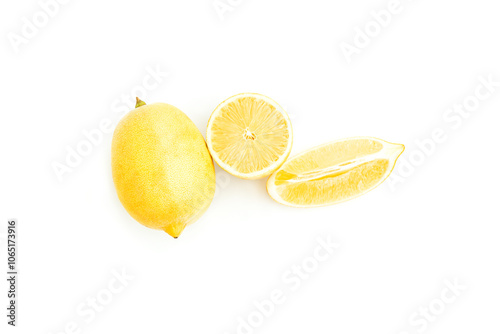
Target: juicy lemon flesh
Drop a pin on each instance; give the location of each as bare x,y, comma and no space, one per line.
249,135
335,172
335,154
335,187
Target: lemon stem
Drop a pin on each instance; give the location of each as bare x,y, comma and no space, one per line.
139,103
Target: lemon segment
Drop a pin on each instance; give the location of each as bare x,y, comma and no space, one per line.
334,172
249,135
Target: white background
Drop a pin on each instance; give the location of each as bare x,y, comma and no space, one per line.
398,244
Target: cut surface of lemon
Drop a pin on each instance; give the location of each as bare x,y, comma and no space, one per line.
334,172
249,135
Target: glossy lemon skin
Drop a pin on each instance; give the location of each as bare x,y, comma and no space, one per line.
163,173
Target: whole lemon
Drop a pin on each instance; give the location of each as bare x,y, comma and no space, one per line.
162,170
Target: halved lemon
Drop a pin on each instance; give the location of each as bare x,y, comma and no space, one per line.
249,135
334,172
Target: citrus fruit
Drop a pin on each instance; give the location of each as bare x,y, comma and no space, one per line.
334,172
249,135
162,170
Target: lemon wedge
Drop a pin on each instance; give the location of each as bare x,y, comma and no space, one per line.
334,172
249,135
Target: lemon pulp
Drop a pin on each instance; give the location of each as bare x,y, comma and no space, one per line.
249,135
334,172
